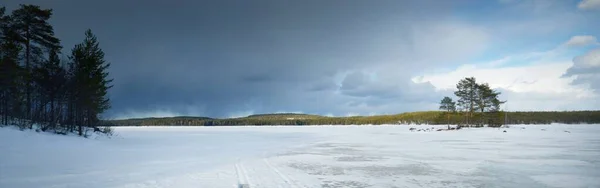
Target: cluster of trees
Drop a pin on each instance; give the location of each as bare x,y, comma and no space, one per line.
474,98
37,86
427,117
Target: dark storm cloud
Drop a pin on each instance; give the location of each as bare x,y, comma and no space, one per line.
361,85
216,58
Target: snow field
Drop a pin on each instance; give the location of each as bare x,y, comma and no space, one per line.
311,156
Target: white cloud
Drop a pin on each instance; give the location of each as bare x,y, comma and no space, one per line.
539,101
586,70
589,59
532,87
532,78
539,84
589,5
582,40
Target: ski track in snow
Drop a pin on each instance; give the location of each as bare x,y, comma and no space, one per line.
288,183
298,157
243,180
260,173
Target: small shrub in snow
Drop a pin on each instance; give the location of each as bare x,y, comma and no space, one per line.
86,132
107,130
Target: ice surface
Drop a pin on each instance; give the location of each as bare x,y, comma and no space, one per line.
305,156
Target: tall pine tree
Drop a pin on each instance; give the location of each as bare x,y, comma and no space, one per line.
10,71
467,96
90,82
487,101
35,34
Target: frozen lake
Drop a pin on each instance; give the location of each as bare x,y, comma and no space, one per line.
312,156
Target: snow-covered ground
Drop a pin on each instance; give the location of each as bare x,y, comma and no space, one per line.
311,156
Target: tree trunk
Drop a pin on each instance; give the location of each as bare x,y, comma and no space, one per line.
448,121
52,120
467,117
28,77
482,116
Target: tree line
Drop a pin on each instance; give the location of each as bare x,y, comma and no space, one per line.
38,85
415,118
474,98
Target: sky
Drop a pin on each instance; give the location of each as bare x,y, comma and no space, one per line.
233,58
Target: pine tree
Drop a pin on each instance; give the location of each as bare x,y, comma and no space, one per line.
485,97
487,101
449,106
50,78
90,82
467,94
3,23
3,72
35,33
10,71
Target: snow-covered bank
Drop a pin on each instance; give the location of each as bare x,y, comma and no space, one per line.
30,159
313,156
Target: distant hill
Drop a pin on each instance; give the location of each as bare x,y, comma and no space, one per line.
175,117
177,120
424,117
285,116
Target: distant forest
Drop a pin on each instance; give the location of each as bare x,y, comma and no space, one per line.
477,105
426,117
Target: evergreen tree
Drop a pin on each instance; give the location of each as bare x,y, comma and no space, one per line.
36,87
487,101
10,71
50,78
90,82
3,22
35,33
3,84
496,104
449,106
467,94
486,98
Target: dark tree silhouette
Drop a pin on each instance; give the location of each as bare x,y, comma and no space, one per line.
35,33
35,85
90,81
